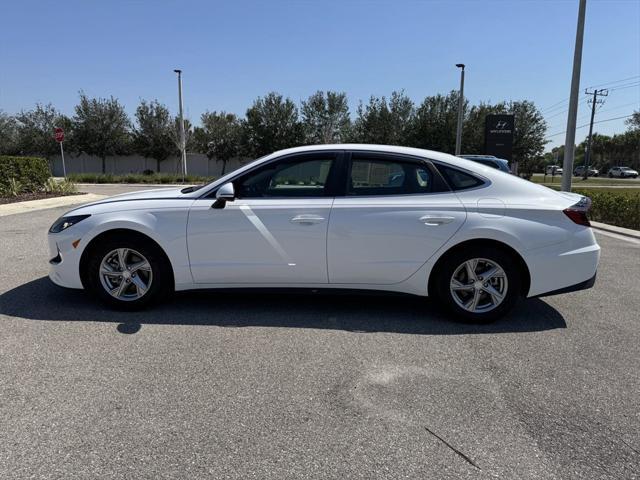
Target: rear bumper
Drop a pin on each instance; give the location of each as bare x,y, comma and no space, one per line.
587,284
565,267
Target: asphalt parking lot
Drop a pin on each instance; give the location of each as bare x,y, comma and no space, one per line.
246,385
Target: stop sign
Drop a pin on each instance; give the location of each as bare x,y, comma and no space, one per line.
59,134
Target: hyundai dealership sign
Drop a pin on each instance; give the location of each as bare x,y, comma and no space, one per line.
498,135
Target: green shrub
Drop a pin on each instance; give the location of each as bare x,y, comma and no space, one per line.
614,207
30,172
64,187
13,188
161,178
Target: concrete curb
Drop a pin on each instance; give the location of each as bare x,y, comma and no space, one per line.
627,232
46,203
153,185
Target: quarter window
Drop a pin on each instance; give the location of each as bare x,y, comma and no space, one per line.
388,177
457,179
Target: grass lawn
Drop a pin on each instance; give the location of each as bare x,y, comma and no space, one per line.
585,190
589,182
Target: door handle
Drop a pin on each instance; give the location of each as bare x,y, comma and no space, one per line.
307,219
434,220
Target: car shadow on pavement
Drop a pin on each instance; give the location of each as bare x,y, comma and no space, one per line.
355,311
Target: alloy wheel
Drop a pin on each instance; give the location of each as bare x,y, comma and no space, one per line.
125,274
478,285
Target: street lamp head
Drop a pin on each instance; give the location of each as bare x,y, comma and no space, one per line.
460,65
178,71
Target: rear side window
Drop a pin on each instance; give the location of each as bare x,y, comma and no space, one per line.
457,179
379,176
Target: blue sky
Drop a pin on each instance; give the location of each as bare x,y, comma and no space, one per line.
232,52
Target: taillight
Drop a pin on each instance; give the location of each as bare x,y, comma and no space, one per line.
578,212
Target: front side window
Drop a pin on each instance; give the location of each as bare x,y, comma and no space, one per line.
388,177
306,177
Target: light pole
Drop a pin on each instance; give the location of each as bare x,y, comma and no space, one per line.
570,139
460,107
183,143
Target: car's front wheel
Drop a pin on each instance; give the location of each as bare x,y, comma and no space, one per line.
128,274
479,284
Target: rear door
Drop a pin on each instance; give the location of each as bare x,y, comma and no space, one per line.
396,213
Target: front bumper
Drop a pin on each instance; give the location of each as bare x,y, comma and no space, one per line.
64,263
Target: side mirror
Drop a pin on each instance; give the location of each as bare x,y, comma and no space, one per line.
225,193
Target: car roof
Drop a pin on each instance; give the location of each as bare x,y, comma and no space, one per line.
365,147
463,163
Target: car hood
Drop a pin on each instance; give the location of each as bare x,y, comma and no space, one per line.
123,200
153,193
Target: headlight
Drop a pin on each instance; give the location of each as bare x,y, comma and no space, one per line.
65,222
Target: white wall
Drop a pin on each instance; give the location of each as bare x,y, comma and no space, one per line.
197,164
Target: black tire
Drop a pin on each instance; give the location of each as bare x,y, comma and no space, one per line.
610,175
452,261
160,286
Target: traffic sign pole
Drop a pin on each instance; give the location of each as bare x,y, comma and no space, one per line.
59,136
64,170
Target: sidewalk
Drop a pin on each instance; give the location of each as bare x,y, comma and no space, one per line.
627,232
45,203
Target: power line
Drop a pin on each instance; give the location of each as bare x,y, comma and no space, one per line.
621,87
613,108
565,110
587,124
615,81
557,105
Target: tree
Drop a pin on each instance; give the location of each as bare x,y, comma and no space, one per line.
325,117
35,130
219,137
9,137
152,137
384,122
434,124
634,121
101,127
529,132
272,124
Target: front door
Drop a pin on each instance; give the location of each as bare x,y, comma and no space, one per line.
274,232
397,212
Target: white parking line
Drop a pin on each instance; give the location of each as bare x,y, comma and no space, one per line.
619,237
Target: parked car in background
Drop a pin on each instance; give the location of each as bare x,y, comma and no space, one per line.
490,161
553,170
369,217
591,172
622,172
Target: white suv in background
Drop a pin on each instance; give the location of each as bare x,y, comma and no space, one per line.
622,172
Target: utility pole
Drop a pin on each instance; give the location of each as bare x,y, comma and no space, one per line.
570,139
587,154
183,143
460,107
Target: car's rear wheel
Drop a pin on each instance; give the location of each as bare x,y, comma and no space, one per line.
128,274
480,284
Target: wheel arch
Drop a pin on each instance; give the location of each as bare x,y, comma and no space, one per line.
481,242
118,232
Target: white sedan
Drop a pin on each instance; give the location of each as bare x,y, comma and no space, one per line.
336,216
